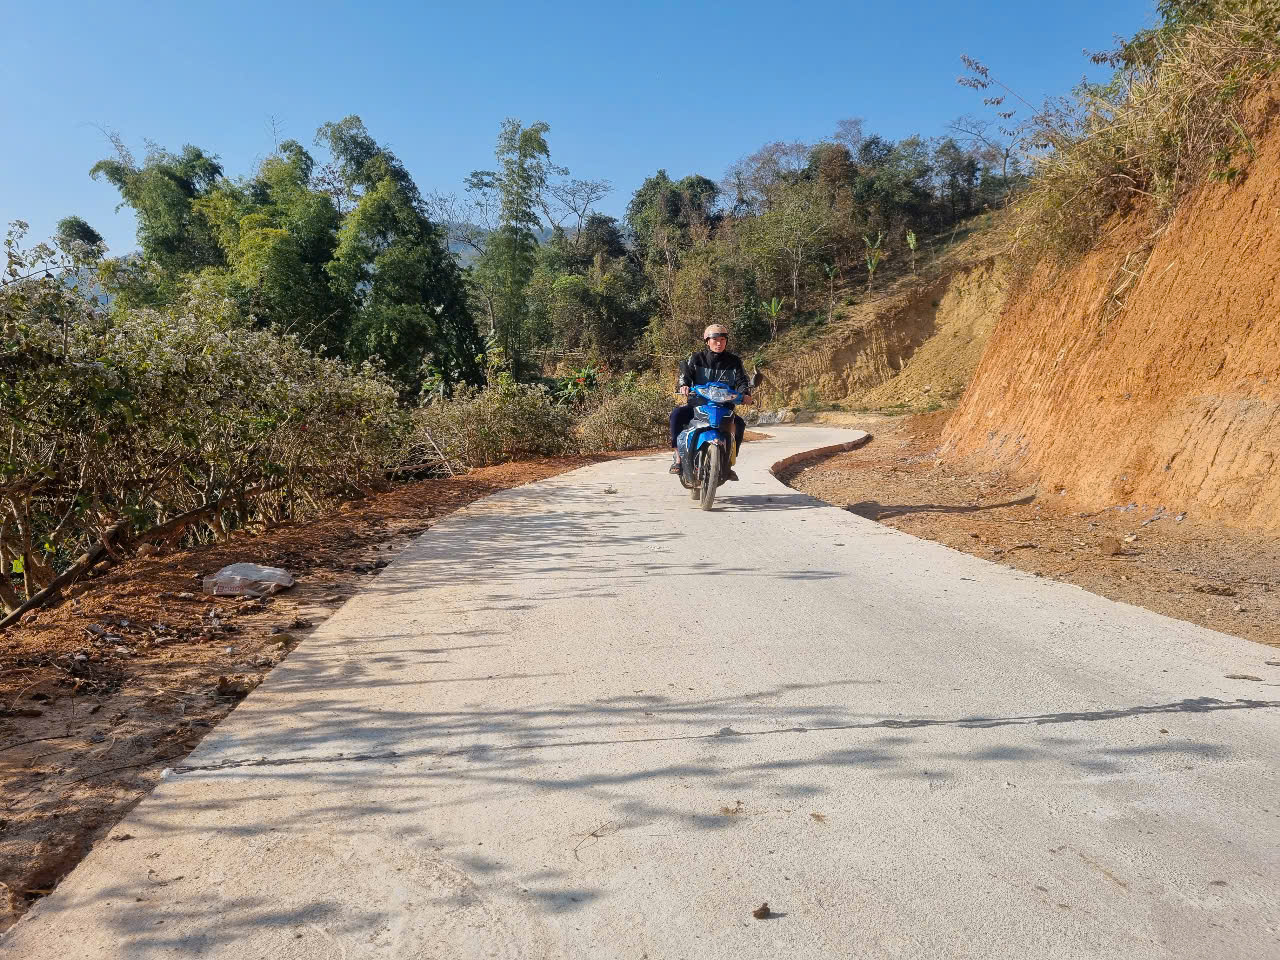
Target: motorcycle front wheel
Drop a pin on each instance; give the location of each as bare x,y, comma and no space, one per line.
711,461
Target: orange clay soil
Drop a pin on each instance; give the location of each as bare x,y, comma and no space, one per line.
1149,372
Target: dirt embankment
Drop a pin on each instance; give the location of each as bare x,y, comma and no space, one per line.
916,343
942,364
870,346
1150,371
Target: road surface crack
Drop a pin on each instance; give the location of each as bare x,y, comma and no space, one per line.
283,761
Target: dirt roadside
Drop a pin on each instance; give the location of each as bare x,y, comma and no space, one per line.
1175,564
100,694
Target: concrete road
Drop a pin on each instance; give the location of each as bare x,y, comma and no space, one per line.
585,719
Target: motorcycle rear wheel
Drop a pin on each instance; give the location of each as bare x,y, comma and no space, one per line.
710,475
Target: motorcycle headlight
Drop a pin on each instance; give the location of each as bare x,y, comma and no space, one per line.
720,395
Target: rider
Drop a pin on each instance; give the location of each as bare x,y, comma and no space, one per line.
714,364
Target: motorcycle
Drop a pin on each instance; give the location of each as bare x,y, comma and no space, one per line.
708,446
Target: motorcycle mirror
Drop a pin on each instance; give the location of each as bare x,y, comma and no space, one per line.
757,378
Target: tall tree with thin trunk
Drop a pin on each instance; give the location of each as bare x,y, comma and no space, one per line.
505,267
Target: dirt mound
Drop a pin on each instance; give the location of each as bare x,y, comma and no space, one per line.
872,343
1150,371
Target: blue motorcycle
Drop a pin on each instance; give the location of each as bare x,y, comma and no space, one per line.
708,447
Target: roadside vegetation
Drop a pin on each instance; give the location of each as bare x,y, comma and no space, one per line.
1175,114
319,329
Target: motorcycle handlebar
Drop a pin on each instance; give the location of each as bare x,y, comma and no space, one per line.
743,398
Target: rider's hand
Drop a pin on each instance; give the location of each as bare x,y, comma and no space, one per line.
683,391
747,401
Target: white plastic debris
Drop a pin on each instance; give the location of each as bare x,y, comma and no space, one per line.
247,580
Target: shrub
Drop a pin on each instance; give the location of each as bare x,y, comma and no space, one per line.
503,421
633,416
124,424
577,386
137,416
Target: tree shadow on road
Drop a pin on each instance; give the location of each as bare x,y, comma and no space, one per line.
326,772
382,743
730,502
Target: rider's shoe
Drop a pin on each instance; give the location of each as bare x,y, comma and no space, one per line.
675,462
731,475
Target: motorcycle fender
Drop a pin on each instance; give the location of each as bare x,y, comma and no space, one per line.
688,463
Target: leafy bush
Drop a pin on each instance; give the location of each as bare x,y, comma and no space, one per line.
1171,117
137,416
633,416
126,424
577,385
504,421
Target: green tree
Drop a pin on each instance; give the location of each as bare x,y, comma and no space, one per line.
174,235
80,241
892,184
790,236
665,215
506,265
278,233
588,294
393,264
673,223
344,255
956,170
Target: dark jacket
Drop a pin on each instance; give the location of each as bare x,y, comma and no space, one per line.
707,366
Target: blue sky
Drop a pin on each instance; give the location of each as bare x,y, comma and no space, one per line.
626,88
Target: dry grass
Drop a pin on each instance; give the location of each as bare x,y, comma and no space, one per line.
1173,116
497,424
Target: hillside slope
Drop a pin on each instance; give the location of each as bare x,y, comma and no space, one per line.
1116,381
916,342
942,365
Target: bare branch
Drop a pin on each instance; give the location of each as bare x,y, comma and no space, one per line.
572,199
467,220
849,132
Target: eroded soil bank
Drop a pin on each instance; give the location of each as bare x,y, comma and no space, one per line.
1178,564
1149,371
915,344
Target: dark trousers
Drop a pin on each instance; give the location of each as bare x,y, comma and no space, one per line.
681,416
